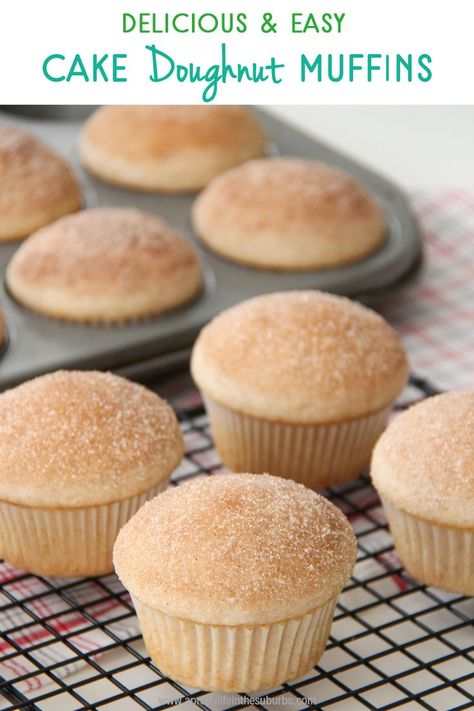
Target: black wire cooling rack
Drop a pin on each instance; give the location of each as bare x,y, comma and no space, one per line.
75,644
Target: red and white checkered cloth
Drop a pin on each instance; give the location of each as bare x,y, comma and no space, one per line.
435,317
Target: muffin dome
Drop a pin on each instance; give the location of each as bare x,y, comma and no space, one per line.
236,549
300,357
168,148
105,264
424,462
76,439
288,213
36,185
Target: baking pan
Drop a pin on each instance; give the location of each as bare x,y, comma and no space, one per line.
37,344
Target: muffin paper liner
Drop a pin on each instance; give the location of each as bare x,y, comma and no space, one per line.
235,658
66,542
316,455
435,554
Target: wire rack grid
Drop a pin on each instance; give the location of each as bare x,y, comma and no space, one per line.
75,644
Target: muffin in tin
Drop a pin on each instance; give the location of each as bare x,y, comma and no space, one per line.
36,185
288,214
235,579
299,384
106,265
168,148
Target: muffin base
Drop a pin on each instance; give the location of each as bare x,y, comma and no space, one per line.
313,454
66,542
235,658
435,554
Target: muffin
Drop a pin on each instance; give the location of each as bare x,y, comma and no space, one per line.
423,469
299,384
168,148
235,579
80,453
36,185
288,213
104,265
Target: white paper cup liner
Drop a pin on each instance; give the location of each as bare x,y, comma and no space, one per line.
66,542
435,554
316,455
235,658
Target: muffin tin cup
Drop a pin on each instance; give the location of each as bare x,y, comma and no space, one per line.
66,542
316,455
435,554
235,658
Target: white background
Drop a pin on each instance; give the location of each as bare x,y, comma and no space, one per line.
416,146
29,31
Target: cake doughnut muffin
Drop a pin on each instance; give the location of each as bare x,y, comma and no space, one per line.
36,185
288,214
298,384
80,452
423,469
105,265
235,579
168,148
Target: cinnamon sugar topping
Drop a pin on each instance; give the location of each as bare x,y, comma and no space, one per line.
32,176
237,544
300,356
424,462
84,438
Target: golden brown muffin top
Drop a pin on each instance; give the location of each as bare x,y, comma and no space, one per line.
424,462
77,438
157,131
300,357
105,250
32,176
236,549
296,188
288,213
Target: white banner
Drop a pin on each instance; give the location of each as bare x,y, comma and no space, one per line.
238,51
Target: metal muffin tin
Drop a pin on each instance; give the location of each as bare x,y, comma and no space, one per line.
38,344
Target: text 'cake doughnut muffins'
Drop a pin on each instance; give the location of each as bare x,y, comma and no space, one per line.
288,213
80,453
105,265
36,185
299,384
168,148
423,469
235,578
